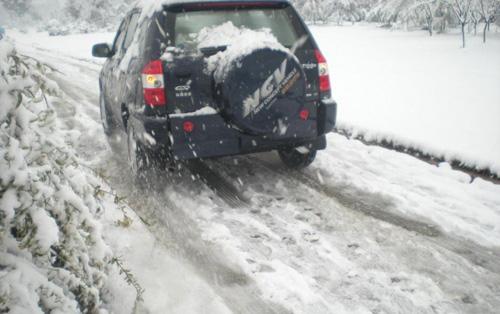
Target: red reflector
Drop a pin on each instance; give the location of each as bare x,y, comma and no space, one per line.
324,83
188,126
304,114
154,96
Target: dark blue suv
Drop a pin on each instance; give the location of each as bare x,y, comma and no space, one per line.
199,79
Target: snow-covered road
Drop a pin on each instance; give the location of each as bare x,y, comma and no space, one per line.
363,230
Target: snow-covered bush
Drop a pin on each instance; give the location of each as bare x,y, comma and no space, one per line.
52,255
72,16
56,28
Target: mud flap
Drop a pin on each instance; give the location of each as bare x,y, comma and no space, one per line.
320,143
327,116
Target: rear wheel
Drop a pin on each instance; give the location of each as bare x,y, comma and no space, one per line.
297,157
113,135
138,158
106,120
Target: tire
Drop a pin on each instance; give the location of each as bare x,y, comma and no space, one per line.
108,125
138,158
295,159
113,134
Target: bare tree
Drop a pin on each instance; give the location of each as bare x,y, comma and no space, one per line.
74,9
461,8
475,16
487,11
428,8
325,9
429,17
310,10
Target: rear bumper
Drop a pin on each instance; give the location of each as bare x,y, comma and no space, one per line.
327,116
213,137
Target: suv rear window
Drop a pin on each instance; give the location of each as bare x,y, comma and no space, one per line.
277,20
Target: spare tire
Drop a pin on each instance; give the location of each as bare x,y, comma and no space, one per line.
263,91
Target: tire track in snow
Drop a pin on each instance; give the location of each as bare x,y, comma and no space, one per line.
169,224
219,185
380,207
174,229
431,254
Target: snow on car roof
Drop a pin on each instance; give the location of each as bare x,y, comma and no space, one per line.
149,7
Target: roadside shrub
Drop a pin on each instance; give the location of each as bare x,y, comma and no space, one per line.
53,258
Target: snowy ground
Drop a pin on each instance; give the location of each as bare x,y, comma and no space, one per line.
363,230
425,93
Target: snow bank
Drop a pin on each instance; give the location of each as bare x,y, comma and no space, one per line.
418,91
447,198
52,253
240,42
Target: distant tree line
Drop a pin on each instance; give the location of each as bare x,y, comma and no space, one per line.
98,12
65,16
431,15
16,6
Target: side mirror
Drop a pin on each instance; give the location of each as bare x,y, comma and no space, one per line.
102,51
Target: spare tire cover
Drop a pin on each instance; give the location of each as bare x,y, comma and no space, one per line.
263,91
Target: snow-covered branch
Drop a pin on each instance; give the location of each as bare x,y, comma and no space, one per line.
52,254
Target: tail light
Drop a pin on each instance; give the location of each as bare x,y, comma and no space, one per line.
324,75
304,114
153,84
188,126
